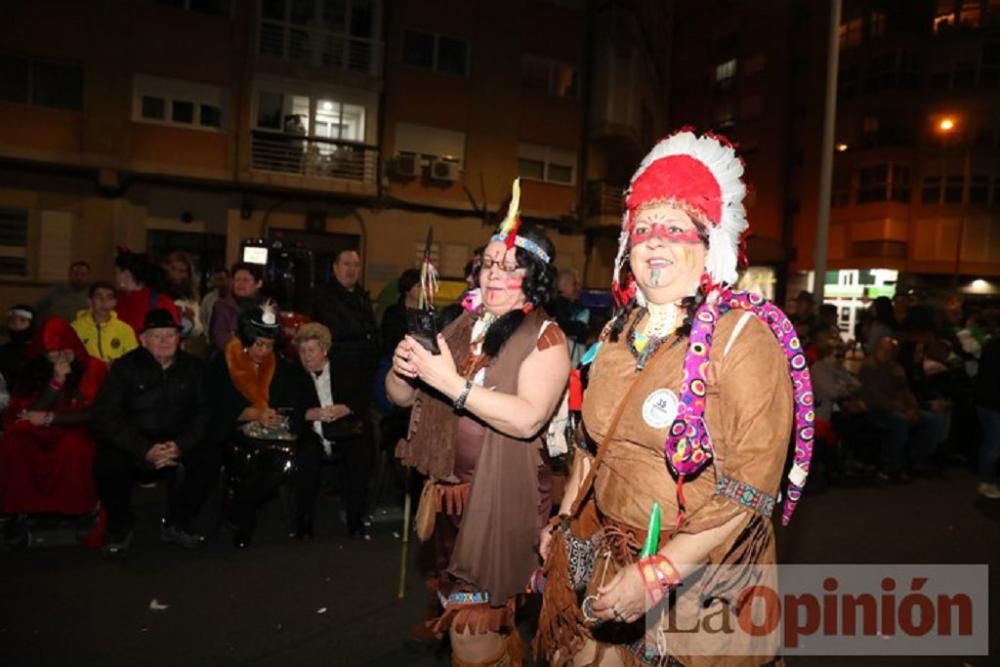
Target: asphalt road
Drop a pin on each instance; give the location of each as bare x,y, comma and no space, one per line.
334,601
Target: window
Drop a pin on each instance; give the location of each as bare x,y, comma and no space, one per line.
323,33
931,191
899,185
850,32
41,83
944,17
545,163
550,77
979,190
213,7
180,103
725,75
13,242
970,14
876,23
953,190
324,116
430,143
873,184
880,72
725,117
436,52
847,82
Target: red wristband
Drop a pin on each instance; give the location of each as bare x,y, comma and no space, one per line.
658,576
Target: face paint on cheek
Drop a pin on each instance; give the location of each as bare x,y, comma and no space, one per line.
654,277
688,256
513,283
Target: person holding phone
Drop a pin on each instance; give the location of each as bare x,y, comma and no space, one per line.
480,407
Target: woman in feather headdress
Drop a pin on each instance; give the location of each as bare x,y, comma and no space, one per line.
479,409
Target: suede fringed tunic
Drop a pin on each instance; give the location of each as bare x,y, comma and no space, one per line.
749,417
492,538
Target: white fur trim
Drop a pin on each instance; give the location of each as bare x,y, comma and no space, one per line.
721,160
797,475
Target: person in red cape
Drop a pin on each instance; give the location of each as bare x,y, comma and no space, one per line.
47,451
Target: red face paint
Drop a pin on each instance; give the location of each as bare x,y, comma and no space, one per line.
642,232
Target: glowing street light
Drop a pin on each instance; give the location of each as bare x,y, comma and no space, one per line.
946,124
841,148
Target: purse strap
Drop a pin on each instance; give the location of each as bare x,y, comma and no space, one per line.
605,443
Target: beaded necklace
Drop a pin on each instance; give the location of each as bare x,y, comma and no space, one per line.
661,324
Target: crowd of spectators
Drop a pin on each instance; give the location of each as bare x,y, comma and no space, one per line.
149,379
913,390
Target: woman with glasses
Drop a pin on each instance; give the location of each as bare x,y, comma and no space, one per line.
480,408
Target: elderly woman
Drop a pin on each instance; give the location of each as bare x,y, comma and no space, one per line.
479,409
337,423
46,452
261,404
685,373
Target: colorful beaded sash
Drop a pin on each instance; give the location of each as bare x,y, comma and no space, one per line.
689,447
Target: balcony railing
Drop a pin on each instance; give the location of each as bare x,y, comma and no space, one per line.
604,198
313,156
320,48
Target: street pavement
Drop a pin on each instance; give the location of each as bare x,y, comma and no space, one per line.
334,601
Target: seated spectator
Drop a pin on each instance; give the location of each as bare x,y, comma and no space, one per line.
933,398
894,409
101,332
21,321
337,424
804,317
261,402
46,452
827,324
65,300
150,420
139,283
832,384
987,392
244,295
883,324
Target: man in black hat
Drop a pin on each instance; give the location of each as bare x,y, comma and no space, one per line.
150,420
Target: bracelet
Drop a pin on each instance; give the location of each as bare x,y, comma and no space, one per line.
658,576
460,401
55,385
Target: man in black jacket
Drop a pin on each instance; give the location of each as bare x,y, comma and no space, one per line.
150,420
345,308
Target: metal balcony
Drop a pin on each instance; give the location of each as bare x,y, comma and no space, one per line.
320,48
317,157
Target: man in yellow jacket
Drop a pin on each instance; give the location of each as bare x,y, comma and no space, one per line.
102,333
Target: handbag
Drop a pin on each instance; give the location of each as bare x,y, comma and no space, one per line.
423,522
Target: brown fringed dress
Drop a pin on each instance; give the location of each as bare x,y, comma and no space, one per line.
492,490
749,416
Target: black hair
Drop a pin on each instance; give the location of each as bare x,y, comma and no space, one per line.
340,253
884,312
407,279
101,284
253,269
136,263
37,374
80,262
539,287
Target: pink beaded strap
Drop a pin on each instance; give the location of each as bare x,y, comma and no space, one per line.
689,447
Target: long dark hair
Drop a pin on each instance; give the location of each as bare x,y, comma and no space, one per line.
539,288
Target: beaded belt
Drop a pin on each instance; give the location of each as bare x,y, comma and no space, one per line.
745,495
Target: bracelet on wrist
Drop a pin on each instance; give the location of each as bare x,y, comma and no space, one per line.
659,576
460,401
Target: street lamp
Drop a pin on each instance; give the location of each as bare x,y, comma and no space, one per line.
946,126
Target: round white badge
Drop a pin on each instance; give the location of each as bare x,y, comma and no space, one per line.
660,408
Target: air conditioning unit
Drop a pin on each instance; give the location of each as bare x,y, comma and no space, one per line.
444,170
406,165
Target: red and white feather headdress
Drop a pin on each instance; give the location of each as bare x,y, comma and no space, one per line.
703,176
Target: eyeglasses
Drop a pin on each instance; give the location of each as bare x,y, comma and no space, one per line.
489,263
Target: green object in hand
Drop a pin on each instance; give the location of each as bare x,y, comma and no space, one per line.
652,544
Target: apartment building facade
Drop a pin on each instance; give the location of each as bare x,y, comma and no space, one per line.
197,124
